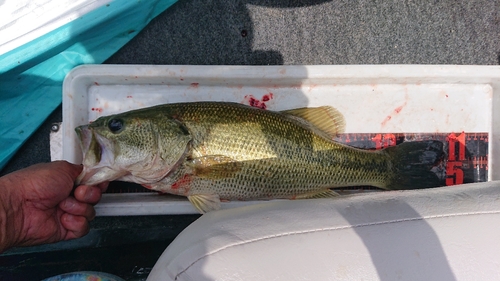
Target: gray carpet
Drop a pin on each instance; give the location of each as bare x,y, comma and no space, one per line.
305,32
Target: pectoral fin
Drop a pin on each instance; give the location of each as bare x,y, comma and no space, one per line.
318,194
205,202
214,166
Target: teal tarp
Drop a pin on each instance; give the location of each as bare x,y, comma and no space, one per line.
31,76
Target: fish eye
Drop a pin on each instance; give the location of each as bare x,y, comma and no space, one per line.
115,125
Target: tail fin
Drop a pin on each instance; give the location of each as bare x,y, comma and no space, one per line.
412,163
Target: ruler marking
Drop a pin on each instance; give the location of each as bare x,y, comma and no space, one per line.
466,153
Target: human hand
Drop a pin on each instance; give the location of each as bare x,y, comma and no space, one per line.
40,207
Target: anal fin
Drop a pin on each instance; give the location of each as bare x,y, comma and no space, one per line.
205,203
328,193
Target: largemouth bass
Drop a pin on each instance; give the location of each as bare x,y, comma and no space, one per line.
213,151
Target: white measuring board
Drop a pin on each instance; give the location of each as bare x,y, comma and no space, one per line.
374,99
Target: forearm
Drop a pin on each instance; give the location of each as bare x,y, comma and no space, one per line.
9,215
4,226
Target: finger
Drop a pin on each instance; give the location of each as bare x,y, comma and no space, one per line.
66,168
77,226
88,194
74,207
103,186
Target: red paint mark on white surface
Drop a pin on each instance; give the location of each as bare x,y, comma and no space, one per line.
254,102
396,111
389,117
267,97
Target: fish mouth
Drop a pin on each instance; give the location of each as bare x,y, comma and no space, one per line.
88,141
96,158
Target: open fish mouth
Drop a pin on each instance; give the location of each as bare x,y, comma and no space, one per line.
96,158
86,137
88,144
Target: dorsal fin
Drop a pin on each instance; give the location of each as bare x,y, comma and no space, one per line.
325,118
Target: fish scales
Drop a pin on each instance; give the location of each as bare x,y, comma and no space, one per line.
282,158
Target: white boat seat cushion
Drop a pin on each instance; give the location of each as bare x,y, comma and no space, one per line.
449,233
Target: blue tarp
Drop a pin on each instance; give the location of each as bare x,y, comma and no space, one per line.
31,76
